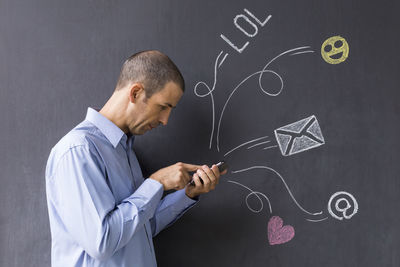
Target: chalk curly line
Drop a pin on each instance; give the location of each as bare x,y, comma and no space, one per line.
287,187
260,73
257,195
210,90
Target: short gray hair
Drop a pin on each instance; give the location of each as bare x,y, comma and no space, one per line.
152,68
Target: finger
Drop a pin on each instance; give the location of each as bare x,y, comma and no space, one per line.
204,177
192,182
196,180
224,172
215,169
210,174
183,172
190,167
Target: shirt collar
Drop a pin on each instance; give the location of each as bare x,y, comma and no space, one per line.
111,131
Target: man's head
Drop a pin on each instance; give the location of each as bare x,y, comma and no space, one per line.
151,68
149,86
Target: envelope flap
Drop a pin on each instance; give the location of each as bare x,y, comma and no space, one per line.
297,126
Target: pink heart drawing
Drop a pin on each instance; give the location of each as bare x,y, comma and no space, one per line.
277,233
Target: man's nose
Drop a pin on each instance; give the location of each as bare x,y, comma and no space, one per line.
164,118
164,121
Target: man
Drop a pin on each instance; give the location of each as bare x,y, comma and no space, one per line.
102,211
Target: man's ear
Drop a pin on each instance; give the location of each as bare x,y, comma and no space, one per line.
135,91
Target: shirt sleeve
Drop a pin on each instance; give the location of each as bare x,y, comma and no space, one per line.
170,209
88,209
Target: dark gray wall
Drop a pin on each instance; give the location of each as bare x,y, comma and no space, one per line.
59,57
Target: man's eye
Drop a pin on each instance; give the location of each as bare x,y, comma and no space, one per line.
163,107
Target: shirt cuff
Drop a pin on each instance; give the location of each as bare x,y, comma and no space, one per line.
183,201
147,196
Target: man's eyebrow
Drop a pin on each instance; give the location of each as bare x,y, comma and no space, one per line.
169,105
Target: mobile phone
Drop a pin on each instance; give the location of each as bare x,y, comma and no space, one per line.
222,166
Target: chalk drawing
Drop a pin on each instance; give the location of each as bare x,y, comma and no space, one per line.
258,144
293,138
344,197
256,194
235,21
262,24
335,50
243,17
299,136
277,233
240,50
239,146
210,90
302,52
269,147
287,187
260,73
223,59
320,220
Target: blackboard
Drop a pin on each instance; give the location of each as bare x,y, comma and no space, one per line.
263,62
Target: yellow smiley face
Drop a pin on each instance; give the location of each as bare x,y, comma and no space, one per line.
335,50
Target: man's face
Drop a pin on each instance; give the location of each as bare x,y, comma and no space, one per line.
153,111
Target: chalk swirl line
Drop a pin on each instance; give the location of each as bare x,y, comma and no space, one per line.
255,193
210,90
287,187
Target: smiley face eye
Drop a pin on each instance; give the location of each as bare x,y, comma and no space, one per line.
338,44
328,48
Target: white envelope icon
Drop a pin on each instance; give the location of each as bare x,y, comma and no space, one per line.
299,136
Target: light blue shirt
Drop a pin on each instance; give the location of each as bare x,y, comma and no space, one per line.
102,211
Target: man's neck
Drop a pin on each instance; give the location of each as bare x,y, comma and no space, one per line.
113,110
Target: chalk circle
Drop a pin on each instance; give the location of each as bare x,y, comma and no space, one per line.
274,74
209,90
261,202
335,50
345,202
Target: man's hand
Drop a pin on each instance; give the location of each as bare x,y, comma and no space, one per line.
175,176
210,178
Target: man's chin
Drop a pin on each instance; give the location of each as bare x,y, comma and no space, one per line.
140,132
144,131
